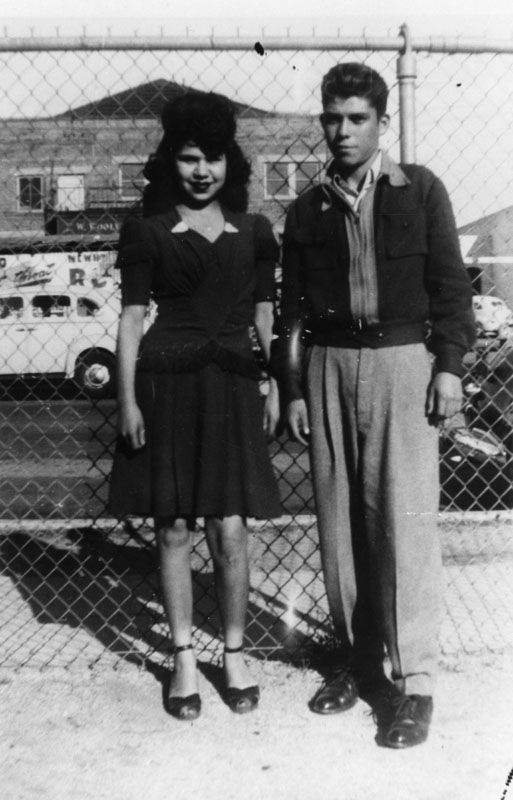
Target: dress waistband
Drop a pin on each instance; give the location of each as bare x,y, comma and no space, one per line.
192,356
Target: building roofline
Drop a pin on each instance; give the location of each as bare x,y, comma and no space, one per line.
147,100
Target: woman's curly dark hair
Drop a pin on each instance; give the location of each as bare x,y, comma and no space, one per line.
208,120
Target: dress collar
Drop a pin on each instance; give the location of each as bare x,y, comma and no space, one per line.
181,227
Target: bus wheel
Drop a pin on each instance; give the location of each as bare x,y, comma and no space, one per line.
95,374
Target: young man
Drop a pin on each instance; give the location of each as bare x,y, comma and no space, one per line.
372,270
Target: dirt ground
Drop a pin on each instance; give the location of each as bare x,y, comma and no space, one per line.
72,731
98,734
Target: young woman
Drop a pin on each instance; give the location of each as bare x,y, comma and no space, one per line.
192,429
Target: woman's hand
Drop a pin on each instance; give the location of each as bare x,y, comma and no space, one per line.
272,409
131,426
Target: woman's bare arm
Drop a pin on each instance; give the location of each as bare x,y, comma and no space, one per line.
131,326
264,321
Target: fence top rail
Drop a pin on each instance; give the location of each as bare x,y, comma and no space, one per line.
431,44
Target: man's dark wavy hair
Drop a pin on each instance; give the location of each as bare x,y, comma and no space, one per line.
355,80
208,120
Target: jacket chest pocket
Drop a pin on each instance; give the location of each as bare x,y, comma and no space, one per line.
318,247
404,233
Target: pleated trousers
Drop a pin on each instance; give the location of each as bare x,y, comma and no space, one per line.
376,484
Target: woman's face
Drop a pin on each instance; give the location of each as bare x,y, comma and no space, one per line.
200,177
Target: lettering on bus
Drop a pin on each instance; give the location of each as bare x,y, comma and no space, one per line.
77,258
77,277
28,275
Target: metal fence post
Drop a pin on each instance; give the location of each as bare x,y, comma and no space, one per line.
406,75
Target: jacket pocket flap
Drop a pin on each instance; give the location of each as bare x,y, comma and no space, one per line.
405,233
311,234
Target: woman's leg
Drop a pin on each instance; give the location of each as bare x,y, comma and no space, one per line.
227,541
174,542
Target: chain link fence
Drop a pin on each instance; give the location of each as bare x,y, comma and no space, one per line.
77,123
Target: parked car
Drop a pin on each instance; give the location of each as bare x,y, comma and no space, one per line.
67,331
477,446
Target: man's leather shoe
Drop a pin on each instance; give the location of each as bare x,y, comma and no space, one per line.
338,693
410,715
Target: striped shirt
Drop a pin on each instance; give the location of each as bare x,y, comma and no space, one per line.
359,224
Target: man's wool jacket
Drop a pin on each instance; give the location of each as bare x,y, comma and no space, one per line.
424,292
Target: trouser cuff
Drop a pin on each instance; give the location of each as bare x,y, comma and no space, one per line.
420,683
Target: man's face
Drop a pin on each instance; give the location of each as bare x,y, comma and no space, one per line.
352,130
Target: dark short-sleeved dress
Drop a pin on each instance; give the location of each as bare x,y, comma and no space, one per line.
196,376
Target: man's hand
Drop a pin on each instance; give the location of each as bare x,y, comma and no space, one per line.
131,426
444,397
297,421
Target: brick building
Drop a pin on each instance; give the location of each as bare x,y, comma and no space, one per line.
80,172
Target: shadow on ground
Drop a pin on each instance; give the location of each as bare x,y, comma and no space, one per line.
107,585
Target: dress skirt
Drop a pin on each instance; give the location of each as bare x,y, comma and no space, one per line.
206,452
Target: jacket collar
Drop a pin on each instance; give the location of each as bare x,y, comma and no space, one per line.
389,169
396,176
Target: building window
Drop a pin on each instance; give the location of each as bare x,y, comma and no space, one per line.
131,180
30,192
285,180
70,192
